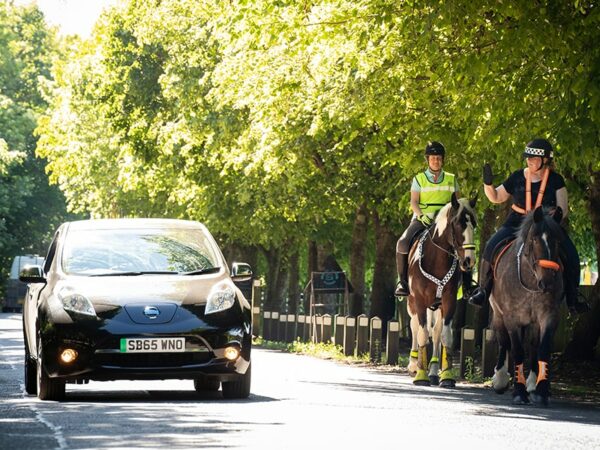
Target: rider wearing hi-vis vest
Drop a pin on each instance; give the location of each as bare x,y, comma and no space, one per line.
431,190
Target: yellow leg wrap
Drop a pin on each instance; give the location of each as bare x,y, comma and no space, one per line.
434,360
448,374
422,364
445,364
414,354
421,376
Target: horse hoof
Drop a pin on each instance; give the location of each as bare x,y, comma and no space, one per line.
434,380
412,373
421,383
520,400
539,400
448,384
501,390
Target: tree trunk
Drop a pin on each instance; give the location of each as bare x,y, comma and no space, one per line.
294,284
383,302
312,267
272,301
357,261
587,327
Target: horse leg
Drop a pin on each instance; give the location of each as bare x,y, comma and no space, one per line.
533,360
414,354
435,319
448,376
542,386
520,396
421,378
501,378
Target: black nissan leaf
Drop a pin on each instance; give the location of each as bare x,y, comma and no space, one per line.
136,299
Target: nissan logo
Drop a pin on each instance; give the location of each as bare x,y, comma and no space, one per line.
151,312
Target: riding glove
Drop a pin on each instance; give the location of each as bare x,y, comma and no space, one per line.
488,176
425,219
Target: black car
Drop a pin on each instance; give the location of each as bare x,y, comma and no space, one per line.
136,299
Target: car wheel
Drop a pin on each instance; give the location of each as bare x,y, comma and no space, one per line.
239,388
30,374
206,384
47,388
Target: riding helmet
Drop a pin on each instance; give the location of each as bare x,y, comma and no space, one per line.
435,148
539,147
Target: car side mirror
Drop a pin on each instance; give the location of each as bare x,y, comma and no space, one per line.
240,271
32,274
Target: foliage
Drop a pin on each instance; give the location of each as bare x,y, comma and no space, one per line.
30,209
272,121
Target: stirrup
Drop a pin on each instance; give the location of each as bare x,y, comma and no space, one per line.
401,290
477,298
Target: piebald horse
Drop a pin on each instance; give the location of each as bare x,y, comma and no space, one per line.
526,297
433,281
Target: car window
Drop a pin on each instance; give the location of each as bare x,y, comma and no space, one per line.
94,252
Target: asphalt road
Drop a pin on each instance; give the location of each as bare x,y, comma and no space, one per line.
296,402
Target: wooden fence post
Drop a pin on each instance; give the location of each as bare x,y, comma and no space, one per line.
349,335
362,335
392,343
489,353
375,342
267,325
339,330
275,326
467,350
290,329
326,333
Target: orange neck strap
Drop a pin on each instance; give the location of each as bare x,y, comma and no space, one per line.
540,196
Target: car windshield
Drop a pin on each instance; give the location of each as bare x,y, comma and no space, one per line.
138,251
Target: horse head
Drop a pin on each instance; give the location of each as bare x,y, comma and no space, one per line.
540,235
456,222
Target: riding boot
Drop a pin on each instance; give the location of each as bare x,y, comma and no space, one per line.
402,267
576,303
468,287
480,295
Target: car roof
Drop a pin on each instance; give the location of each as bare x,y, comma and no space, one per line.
133,223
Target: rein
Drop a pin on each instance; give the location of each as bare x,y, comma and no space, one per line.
544,263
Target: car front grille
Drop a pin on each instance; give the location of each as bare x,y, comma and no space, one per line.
150,360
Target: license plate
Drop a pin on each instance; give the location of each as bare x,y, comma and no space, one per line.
152,345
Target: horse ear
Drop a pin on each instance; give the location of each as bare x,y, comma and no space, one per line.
454,201
558,214
538,214
473,200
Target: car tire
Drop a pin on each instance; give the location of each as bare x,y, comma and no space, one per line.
47,388
30,374
239,388
206,384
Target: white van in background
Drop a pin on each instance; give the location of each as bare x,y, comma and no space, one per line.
15,289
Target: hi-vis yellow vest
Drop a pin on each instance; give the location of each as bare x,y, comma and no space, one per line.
434,196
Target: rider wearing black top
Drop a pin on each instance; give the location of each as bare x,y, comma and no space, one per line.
539,154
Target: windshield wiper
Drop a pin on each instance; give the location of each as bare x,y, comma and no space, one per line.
202,271
134,274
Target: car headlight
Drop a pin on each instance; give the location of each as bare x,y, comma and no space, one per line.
221,297
77,303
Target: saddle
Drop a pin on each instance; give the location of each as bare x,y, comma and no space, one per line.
499,251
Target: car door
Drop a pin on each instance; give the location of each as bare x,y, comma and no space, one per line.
33,295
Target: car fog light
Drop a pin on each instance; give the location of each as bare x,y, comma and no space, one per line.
68,355
232,353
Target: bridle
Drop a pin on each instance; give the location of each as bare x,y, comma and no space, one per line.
543,263
441,283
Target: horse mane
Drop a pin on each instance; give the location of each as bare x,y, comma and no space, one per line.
548,223
445,215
